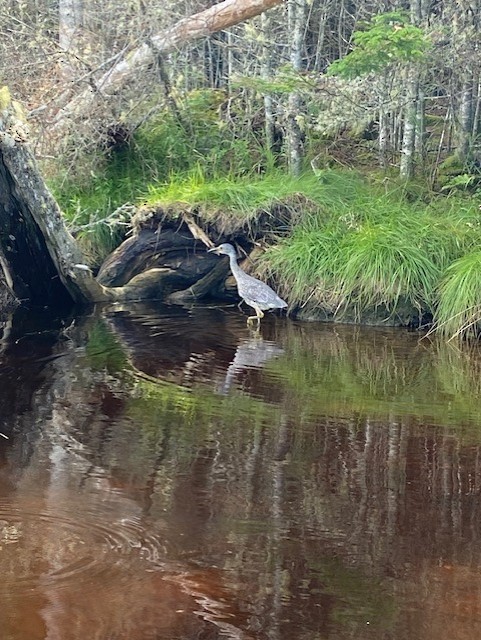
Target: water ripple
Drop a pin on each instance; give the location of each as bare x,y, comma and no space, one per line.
39,548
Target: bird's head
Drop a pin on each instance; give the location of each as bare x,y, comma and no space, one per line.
224,249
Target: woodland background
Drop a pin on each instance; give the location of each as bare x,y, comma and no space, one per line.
272,75
123,108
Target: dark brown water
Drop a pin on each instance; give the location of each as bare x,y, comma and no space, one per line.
169,474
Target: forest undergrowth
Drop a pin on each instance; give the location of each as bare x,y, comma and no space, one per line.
366,240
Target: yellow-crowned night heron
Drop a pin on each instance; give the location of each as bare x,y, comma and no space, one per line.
255,293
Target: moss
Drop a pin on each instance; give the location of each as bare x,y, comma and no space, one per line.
5,98
19,111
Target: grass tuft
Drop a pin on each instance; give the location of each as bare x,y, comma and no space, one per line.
376,249
459,309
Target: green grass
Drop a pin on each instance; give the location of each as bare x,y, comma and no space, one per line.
349,243
459,308
376,249
247,196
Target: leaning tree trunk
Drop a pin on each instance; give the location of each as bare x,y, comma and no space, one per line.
42,264
40,259
216,18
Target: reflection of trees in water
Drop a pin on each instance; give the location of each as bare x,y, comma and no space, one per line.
380,372
327,504
320,505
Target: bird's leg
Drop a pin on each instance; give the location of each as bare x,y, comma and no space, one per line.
258,316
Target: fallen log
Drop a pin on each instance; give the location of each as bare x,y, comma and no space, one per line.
220,16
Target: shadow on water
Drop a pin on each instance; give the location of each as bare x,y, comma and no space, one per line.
169,473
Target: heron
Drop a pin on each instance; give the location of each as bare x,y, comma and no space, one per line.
254,292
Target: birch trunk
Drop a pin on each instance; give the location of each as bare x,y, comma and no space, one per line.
410,121
296,9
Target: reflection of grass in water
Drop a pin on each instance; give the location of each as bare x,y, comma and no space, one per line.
339,372
342,373
103,349
195,415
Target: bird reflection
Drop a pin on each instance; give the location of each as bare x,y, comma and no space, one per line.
251,353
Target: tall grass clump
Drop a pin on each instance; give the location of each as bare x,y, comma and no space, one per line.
385,263
374,250
458,311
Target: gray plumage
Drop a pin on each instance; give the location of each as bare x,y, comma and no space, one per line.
254,292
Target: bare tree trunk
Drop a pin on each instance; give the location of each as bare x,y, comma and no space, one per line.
476,107
69,24
419,143
410,122
383,138
266,73
296,10
218,17
465,120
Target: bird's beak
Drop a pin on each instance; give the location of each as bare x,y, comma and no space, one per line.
213,250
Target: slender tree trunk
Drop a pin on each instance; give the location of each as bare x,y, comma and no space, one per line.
476,105
296,9
266,73
383,138
410,122
465,120
69,25
419,143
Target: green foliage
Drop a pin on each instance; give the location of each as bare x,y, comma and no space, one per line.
285,81
387,39
374,249
463,181
172,143
244,196
459,309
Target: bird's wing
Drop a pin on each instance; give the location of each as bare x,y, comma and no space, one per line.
260,292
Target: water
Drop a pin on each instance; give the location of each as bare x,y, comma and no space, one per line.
167,473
